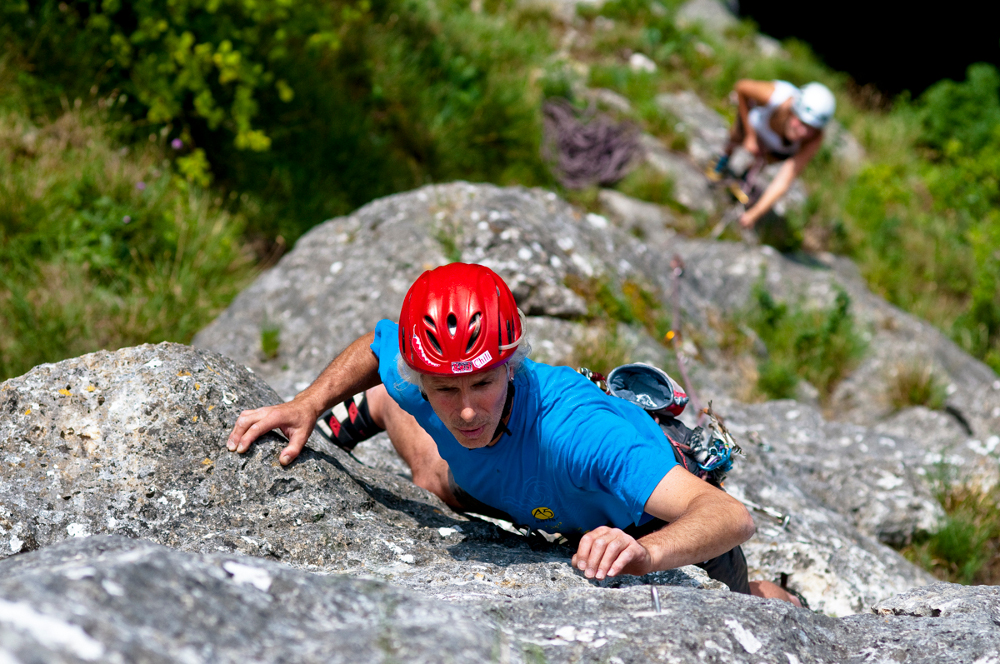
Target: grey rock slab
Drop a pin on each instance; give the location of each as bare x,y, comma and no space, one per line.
142,454
707,131
639,218
944,600
711,14
533,239
840,569
112,599
131,443
691,188
873,480
348,273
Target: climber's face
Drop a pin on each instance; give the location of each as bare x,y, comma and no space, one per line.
797,130
470,405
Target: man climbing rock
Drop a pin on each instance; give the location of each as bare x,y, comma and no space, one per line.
777,122
489,431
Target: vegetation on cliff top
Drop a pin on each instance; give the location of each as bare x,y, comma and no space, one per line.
265,118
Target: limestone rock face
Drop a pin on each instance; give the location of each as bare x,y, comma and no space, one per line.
347,274
810,473
113,599
142,455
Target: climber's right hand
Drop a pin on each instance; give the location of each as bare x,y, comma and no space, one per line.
295,419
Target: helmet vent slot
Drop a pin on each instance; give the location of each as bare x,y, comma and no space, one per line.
430,321
434,341
474,326
452,324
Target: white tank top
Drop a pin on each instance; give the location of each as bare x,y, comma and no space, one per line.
759,118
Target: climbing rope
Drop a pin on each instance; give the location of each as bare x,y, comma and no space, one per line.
586,149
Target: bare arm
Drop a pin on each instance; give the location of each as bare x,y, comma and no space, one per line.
704,522
790,169
354,370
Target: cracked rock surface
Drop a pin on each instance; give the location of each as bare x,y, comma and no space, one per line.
129,444
114,599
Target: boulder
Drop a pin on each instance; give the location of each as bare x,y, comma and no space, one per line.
718,278
132,443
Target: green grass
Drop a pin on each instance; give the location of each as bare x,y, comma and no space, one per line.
104,246
270,340
915,384
967,547
820,345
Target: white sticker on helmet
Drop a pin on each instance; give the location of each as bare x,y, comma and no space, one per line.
481,361
461,367
420,349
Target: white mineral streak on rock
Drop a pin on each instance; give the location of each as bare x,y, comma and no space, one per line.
16,544
78,530
571,633
596,220
112,588
446,532
51,632
744,636
245,574
889,481
583,264
77,573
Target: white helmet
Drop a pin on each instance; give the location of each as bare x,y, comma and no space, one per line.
815,105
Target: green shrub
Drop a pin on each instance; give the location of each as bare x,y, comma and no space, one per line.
962,118
648,184
314,107
925,231
819,345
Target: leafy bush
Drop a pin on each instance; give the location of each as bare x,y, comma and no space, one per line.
819,345
962,118
925,231
314,107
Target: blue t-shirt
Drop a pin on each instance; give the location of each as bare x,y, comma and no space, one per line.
576,458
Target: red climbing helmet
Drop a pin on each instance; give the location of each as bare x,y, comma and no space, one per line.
457,319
